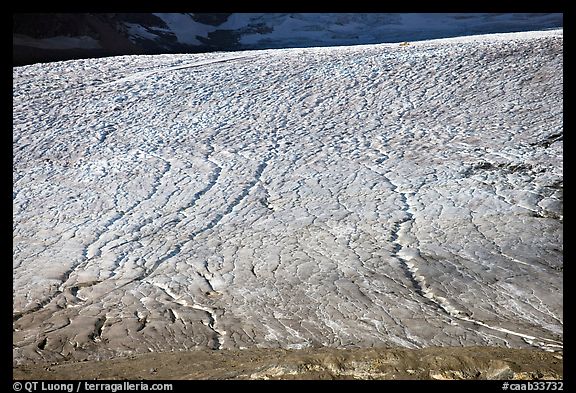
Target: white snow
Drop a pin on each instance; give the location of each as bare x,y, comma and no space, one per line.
136,30
310,29
185,28
356,196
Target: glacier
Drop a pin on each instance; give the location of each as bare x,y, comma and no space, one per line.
387,195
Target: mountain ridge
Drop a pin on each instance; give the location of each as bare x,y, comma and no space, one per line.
58,36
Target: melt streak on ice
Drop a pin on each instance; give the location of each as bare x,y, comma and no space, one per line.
378,195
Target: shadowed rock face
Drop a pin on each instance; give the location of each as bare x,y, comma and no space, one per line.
383,195
55,37
51,37
214,19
